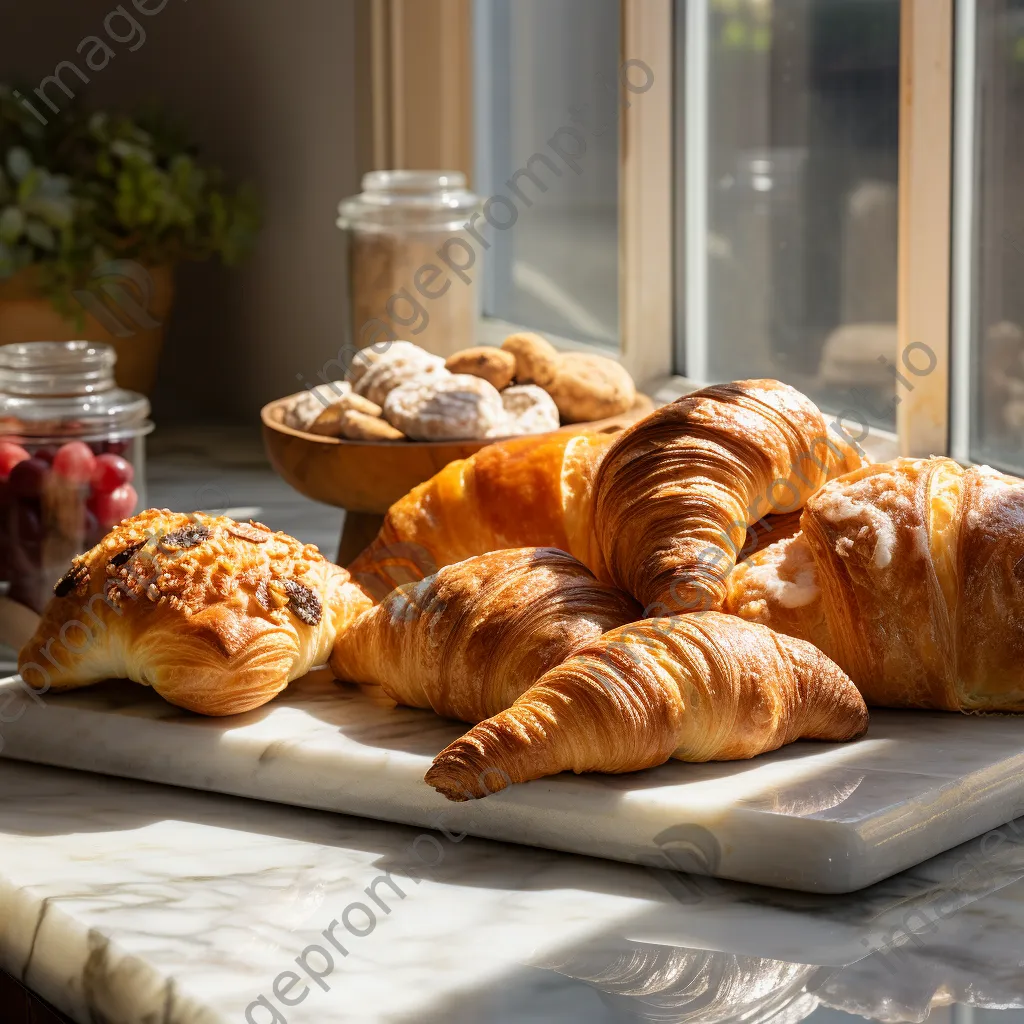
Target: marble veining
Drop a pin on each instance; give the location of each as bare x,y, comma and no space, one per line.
128,902
820,817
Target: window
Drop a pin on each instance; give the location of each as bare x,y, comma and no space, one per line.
992,245
542,66
787,121
823,191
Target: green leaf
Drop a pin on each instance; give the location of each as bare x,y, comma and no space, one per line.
12,223
41,235
27,186
58,213
19,163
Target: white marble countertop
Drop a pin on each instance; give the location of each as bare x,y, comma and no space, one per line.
127,902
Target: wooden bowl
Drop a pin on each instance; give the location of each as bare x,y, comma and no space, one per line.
370,476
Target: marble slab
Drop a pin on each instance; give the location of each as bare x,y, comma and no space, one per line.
815,817
127,902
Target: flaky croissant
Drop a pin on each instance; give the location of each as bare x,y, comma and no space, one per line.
677,493
698,687
468,640
661,511
525,492
910,575
217,616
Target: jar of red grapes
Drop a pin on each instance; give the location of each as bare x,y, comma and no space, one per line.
71,459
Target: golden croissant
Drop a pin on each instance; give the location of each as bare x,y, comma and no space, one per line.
677,493
910,575
217,616
698,687
661,512
468,640
526,492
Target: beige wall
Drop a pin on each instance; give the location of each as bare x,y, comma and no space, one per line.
267,88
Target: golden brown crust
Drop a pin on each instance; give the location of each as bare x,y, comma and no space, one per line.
470,639
778,587
911,579
586,386
217,616
661,511
699,687
517,493
495,365
536,358
678,491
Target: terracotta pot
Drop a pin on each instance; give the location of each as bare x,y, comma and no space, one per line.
122,316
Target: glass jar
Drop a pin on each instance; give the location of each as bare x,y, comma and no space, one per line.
412,266
71,459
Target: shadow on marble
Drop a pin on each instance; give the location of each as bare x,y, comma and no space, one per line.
659,945
917,953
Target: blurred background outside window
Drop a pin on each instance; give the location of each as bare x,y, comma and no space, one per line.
996,252
792,175
541,65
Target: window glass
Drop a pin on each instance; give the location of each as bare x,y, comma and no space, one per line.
547,151
787,157
997,336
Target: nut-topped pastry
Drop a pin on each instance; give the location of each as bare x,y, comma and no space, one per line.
217,616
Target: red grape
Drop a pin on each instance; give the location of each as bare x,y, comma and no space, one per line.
75,462
28,477
110,472
10,455
116,447
46,452
113,506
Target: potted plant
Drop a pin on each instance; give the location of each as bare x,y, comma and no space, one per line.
96,211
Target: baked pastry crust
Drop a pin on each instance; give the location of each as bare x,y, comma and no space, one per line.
470,639
217,616
661,511
524,492
678,491
908,574
700,687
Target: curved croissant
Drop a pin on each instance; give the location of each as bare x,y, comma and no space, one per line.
661,512
527,492
910,575
677,492
698,687
217,616
470,639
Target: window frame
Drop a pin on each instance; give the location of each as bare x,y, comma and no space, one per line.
431,125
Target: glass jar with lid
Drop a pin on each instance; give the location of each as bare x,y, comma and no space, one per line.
412,265
71,459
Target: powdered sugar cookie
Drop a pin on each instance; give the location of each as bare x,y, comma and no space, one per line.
387,373
307,406
452,407
530,409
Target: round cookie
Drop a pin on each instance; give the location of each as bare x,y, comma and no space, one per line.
590,387
394,369
308,405
530,409
357,426
373,354
328,423
536,358
446,407
494,365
